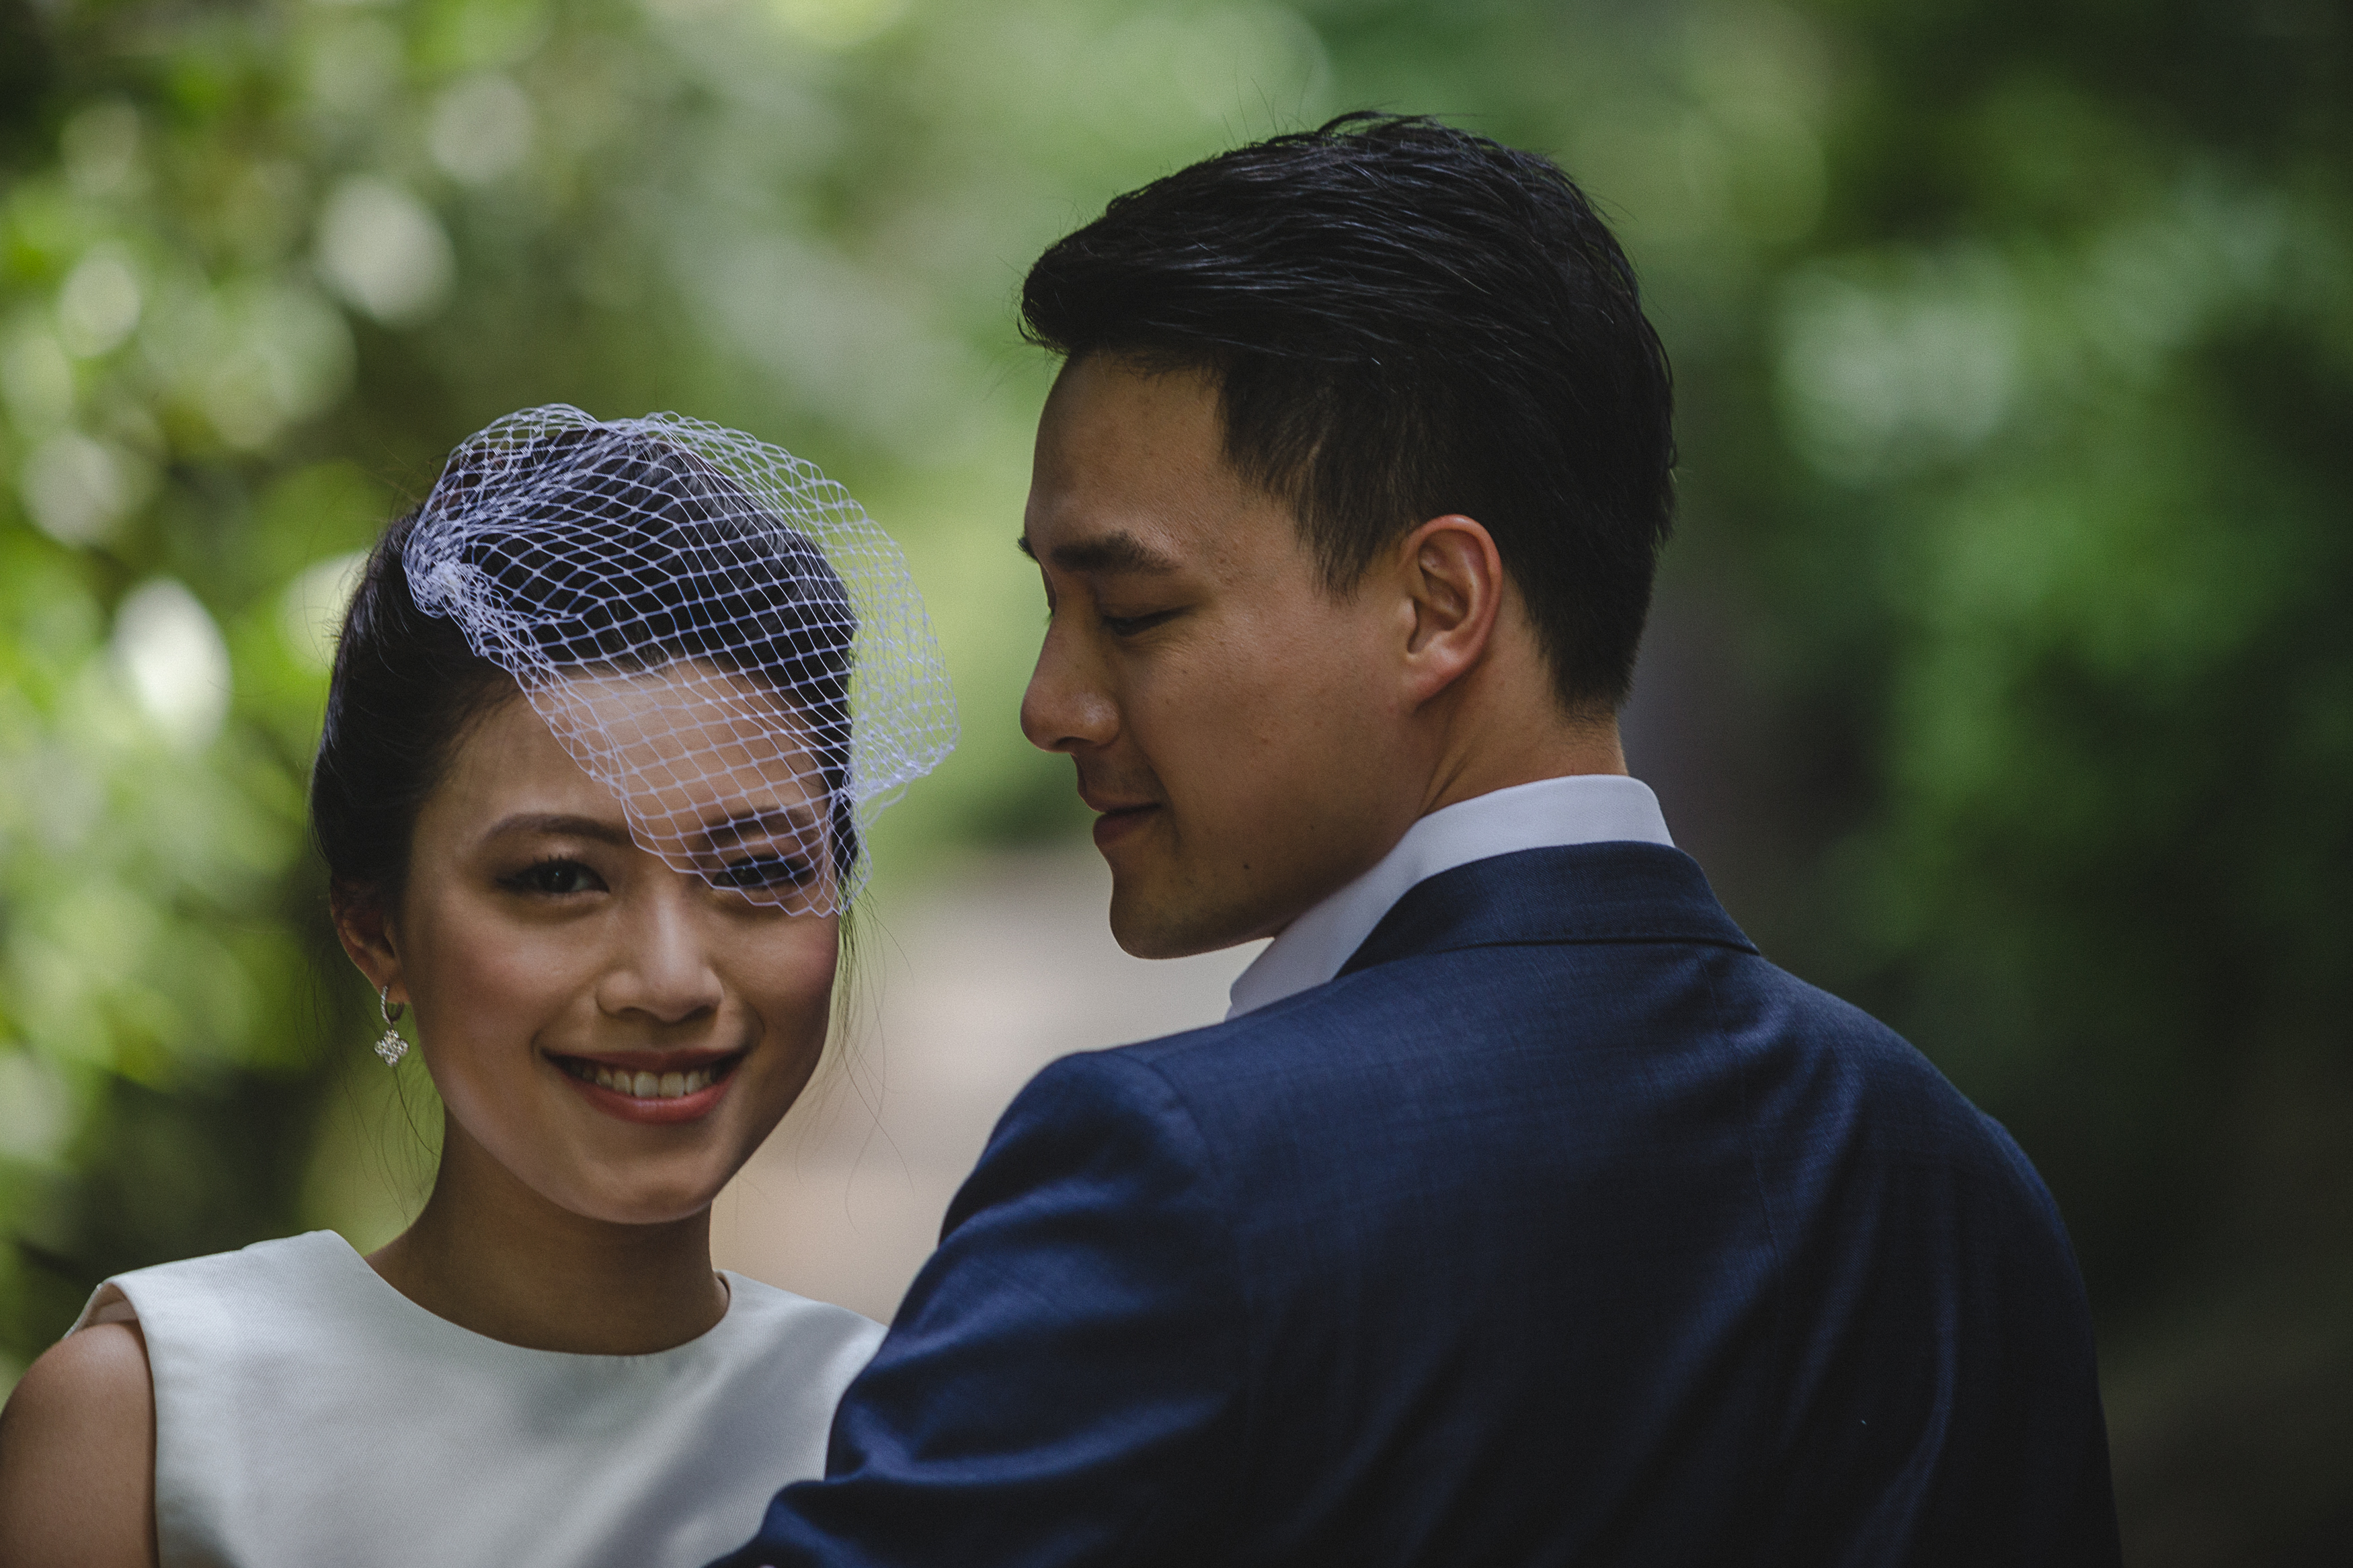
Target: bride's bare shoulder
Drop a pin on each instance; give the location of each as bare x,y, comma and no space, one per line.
77,1455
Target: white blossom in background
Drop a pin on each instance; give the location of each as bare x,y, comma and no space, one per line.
77,489
100,303
173,655
481,128
383,251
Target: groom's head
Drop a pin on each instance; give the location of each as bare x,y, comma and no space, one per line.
1347,502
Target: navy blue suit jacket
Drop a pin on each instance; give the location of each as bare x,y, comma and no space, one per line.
1561,1228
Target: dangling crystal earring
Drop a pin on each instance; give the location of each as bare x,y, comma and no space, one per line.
392,1048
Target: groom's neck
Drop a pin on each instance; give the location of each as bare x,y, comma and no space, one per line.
1504,723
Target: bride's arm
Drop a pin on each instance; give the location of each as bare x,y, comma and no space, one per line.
78,1456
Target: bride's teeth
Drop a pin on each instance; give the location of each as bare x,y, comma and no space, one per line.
646,1084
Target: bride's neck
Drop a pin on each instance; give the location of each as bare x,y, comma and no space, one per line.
489,1253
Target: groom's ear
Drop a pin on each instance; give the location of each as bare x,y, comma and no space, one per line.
1453,585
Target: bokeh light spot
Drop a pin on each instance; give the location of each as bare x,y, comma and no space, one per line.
482,128
383,251
100,303
175,660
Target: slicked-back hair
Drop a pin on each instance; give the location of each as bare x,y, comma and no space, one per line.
1405,321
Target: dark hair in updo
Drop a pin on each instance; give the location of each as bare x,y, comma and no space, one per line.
638,556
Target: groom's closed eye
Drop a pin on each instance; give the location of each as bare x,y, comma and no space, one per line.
1129,625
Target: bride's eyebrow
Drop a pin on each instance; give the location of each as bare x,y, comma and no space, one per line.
552,825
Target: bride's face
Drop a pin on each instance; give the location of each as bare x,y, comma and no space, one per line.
619,1035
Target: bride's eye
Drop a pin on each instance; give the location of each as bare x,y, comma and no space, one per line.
557,878
763,871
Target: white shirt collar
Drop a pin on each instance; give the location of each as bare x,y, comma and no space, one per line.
1584,808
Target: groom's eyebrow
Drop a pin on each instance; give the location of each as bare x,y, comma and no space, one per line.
1115,551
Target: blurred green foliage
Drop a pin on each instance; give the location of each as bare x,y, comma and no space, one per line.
2003,674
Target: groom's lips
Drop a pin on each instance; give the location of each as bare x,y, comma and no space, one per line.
1113,826
1118,820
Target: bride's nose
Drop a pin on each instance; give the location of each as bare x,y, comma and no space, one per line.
660,967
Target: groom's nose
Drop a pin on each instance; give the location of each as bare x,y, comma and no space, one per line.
1066,708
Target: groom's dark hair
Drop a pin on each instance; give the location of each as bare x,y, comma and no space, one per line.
1404,321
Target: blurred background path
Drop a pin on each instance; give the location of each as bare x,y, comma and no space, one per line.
972,985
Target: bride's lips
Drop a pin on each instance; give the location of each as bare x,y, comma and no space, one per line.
677,1086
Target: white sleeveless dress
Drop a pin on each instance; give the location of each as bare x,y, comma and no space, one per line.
309,1415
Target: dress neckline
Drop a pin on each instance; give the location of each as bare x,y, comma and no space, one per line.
381,1295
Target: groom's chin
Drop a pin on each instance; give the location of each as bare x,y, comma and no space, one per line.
1152,919
1142,928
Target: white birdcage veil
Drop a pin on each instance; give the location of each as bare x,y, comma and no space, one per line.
712,629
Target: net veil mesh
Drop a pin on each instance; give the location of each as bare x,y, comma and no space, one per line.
711,628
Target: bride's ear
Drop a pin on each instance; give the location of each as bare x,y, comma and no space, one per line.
364,928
